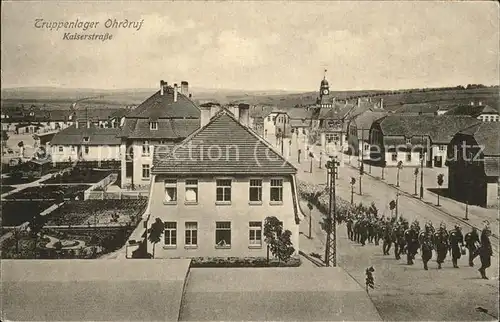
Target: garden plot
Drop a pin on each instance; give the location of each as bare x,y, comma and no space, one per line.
14,213
91,212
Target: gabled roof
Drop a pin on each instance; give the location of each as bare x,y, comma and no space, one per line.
299,113
97,136
336,112
418,108
487,135
440,129
472,110
222,146
163,106
365,119
169,129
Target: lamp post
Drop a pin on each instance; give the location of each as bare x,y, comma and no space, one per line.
416,176
422,172
400,166
397,203
353,182
320,158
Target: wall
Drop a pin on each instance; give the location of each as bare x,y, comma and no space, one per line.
401,156
139,160
96,152
206,213
492,194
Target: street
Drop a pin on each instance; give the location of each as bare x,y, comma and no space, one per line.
409,293
405,292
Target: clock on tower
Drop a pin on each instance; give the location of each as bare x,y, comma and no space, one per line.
325,91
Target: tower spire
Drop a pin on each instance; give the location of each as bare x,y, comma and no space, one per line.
324,76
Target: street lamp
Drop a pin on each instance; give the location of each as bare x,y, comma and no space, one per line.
353,182
397,203
400,166
422,171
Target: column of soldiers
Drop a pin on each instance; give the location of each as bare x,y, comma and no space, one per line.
408,239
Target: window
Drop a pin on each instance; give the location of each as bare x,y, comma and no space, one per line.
86,150
61,149
255,233
170,233
303,120
162,142
223,190
191,234
72,148
269,119
277,190
366,147
86,139
153,125
408,156
145,148
192,190
223,234
274,118
442,147
304,131
145,171
255,191
394,156
170,190
408,141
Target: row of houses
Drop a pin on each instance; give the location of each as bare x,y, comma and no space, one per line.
39,120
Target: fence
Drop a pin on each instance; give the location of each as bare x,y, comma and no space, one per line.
101,195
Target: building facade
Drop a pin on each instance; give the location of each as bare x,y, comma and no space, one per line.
214,198
165,118
474,165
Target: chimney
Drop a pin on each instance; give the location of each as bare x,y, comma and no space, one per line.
175,92
236,112
184,88
381,103
205,114
471,103
359,101
244,114
214,108
162,84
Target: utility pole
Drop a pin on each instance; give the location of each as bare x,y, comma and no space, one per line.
422,172
331,236
320,158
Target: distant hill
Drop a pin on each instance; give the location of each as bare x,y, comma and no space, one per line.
56,98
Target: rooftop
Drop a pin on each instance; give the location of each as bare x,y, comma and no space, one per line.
418,108
472,110
96,135
440,129
486,134
222,146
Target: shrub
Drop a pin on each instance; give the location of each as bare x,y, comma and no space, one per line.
58,245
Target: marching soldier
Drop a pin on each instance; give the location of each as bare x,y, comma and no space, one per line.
456,244
349,227
426,241
364,231
441,239
411,239
399,240
472,244
387,237
485,251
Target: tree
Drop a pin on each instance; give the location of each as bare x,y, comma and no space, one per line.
155,233
400,166
5,137
35,226
392,206
440,180
277,240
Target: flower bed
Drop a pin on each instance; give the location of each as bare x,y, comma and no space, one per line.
98,211
50,192
15,213
242,262
6,189
78,175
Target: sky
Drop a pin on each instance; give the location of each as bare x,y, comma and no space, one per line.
254,45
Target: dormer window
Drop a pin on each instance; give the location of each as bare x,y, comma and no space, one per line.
153,125
408,140
86,139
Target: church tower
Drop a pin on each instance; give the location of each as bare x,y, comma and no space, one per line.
324,89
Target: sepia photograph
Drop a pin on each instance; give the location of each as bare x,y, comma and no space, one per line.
250,160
